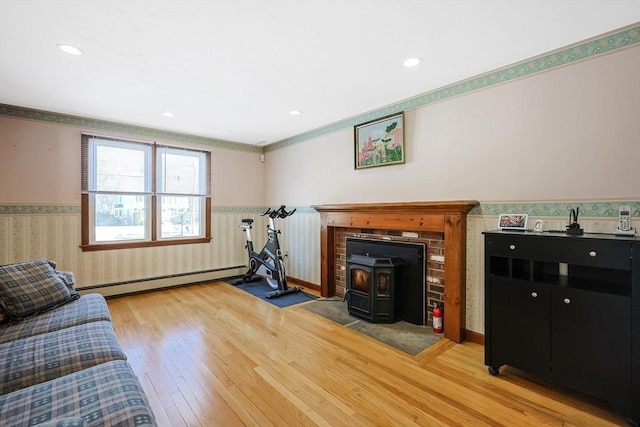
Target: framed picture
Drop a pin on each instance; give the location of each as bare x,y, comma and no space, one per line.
513,221
379,142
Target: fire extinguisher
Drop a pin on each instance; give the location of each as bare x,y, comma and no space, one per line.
437,317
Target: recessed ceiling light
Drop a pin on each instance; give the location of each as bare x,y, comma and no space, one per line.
71,50
167,114
411,62
295,112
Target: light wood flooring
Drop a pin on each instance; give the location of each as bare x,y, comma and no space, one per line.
213,355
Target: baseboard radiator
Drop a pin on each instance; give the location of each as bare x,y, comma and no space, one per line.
162,282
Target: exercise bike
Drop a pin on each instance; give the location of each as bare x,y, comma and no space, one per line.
268,264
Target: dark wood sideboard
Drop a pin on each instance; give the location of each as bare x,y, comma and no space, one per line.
566,308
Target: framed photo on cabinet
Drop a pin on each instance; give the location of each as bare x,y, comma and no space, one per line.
513,221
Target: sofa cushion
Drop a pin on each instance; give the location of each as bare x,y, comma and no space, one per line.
64,422
30,287
39,358
104,395
87,308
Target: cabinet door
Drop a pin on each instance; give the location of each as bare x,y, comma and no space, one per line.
520,324
591,342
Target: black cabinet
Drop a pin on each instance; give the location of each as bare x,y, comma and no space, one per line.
591,342
520,331
566,308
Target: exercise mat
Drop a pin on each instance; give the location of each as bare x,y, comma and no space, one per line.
261,289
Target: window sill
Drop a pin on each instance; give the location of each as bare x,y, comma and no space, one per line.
132,245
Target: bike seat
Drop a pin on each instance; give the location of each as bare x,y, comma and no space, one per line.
247,221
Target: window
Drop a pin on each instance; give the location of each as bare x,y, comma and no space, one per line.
137,194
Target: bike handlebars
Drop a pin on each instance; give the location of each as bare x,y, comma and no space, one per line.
281,212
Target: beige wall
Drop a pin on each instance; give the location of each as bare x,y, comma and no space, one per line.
40,164
572,133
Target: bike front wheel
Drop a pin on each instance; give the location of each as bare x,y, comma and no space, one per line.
279,281
272,281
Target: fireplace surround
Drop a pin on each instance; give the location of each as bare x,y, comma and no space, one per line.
448,217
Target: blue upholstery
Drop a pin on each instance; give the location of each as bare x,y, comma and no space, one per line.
30,287
60,362
108,394
32,360
88,308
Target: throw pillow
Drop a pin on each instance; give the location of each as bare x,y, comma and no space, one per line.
30,287
69,279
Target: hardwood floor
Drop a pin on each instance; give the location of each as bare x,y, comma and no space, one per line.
213,355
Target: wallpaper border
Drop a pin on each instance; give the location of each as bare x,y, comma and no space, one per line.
83,122
588,209
16,209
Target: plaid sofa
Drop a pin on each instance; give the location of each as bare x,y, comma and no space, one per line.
107,395
60,361
39,358
89,308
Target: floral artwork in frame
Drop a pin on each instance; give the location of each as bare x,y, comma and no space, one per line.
380,142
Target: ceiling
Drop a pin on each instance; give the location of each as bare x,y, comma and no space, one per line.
233,70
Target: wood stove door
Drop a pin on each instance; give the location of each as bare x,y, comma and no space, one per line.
383,295
359,299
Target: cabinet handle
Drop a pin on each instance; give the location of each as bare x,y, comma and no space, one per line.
567,301
592,253
512,247
534,294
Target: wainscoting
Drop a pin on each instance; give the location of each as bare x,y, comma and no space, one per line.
53,232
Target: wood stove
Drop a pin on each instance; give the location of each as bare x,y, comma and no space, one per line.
371,287
410,290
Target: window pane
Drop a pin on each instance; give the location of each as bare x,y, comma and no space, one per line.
180,171
181,216
120,168
119,217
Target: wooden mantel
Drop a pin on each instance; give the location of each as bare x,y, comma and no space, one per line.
447,217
